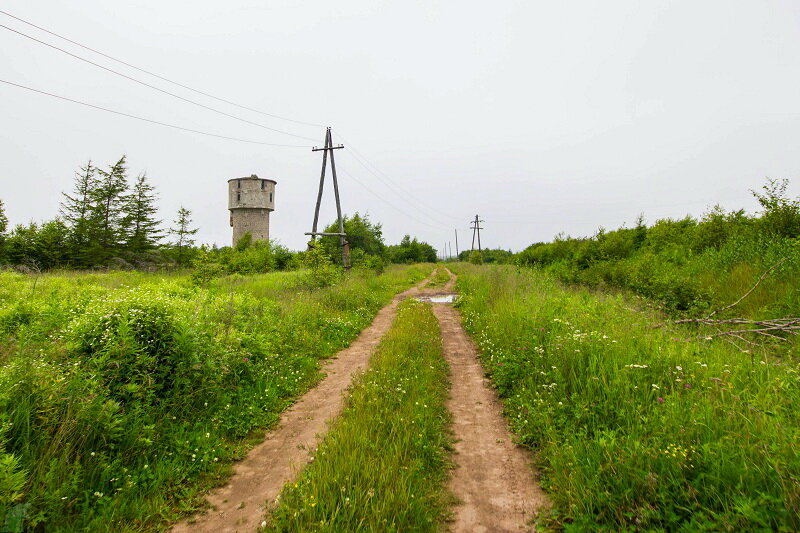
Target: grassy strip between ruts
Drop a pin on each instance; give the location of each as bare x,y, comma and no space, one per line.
123,395
439,279
383,464
638,428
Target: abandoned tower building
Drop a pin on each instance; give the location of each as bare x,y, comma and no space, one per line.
250,201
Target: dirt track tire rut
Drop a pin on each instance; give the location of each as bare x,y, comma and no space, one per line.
240,504
493,478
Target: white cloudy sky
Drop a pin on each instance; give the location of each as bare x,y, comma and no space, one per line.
542,117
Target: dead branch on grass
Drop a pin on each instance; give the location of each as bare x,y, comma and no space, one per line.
745,295
772,327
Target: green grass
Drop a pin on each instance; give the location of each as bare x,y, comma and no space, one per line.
439,279
124,394
635,427
383,463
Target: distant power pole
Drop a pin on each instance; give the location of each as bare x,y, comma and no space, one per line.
476,228
329,147
455,230
450,250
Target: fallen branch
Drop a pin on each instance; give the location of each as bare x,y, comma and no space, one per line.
771,327
745,295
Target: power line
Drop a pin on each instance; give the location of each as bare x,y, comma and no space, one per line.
388,181
387,202
150,120
159,89
412,201
198,91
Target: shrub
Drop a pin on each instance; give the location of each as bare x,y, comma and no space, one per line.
137,344
321,270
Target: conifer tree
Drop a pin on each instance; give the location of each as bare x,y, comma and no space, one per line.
76,210
106,231
141,226
183,233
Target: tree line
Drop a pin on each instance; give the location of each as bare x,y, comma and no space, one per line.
107,219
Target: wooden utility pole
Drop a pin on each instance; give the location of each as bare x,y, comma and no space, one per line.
456,231
329,147
476,228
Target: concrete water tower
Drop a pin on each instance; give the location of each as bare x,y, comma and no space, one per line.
250,201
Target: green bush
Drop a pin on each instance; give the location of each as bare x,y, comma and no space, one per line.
138,345
689,266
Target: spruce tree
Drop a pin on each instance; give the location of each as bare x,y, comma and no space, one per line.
106,232
76,211
183,233
142,228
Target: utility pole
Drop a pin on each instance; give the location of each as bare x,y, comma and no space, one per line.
456,231
329,147
450,252
476,228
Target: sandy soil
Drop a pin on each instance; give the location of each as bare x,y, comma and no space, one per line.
258,479
493,478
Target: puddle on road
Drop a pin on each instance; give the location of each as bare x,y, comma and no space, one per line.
439,298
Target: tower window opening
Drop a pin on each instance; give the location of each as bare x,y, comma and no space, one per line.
270,197
262,184
238,196
238,184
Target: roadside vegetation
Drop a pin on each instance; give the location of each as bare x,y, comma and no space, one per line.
122,394
639,427
692,266
384,462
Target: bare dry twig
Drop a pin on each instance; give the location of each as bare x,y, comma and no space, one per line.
745,295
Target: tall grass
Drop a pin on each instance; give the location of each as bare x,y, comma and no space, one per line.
383,464
123,394
638,428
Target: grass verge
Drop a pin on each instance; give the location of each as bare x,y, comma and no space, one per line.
638,428
122,395
383,464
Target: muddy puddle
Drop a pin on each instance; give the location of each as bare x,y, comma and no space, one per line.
439,298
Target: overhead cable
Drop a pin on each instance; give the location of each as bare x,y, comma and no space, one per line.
163,78
390,204
378,173
411,201
159,89
250,141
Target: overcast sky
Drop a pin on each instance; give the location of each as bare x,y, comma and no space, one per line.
541,117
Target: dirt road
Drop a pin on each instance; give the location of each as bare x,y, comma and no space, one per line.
239,506
493,477
492,480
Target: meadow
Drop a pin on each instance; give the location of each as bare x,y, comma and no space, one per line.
123,395
638,423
